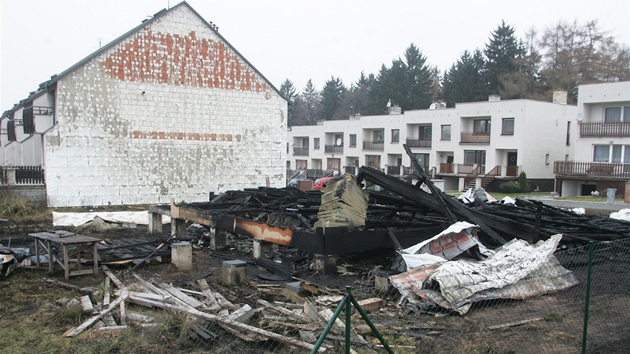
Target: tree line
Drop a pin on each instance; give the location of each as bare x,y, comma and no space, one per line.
563,57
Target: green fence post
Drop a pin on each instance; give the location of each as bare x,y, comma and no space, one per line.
588,296
348,316
372,327
330,324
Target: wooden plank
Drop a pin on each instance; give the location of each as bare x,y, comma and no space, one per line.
138,317
93,319
88,290
180,295
111,276
86,303
284,311
211,299
515,323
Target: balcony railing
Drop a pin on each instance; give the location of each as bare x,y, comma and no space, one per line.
300,151
12,175
591,169
474,138
393,170
601,129
333,149
447,168
419,142
373,146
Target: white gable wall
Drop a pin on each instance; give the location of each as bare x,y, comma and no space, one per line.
171,112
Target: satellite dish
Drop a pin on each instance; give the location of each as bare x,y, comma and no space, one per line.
580,116
339,141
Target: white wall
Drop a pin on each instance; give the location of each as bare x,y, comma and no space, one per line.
141,126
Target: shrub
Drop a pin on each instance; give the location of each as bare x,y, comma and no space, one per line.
510,187
522,181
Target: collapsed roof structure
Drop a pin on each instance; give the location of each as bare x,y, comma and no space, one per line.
347,218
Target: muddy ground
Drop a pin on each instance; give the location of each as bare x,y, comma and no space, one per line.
551,323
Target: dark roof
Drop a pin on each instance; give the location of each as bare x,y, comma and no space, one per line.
44,86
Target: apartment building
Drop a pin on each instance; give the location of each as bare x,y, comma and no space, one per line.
600,137
478,144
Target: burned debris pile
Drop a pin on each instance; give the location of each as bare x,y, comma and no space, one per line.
345,218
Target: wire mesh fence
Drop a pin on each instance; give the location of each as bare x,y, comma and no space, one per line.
591,313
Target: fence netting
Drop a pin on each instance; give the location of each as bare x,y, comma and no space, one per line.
265,317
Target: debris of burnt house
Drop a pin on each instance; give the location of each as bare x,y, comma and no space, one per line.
346,218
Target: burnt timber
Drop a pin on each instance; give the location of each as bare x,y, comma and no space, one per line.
286,216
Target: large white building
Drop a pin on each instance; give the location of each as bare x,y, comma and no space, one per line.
169,110
600,138
473,144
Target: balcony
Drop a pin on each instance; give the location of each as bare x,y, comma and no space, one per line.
373,146
419,143
601,129
333,149
350,169
393,170
300,151
592,169
474,138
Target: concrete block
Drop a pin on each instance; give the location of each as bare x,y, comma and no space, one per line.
181,255
234,272
381,280
218,239
326,264
262,249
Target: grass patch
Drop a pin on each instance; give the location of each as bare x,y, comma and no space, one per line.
26,216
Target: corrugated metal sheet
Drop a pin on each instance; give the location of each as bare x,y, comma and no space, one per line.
516,270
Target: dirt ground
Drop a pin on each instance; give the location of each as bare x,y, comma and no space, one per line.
551,323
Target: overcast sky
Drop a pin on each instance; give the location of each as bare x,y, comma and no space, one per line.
293,39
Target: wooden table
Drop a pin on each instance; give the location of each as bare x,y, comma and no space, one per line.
71,243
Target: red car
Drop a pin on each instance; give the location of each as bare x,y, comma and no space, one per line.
321,182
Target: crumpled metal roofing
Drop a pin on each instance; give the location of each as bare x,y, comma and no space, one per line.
516,270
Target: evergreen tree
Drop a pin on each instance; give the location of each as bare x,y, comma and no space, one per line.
464,81
356,100
503,56
307,106
288,91
406,83
332,95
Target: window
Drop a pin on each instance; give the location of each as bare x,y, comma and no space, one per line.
568,133
601,153
11,130
333,164
301,164
28,119
379,136
616,153
316,143
547,159
508,126
395,135
423,160
481,126
612,114
424,133
373,161
617,114
475,157
353,140
446,132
